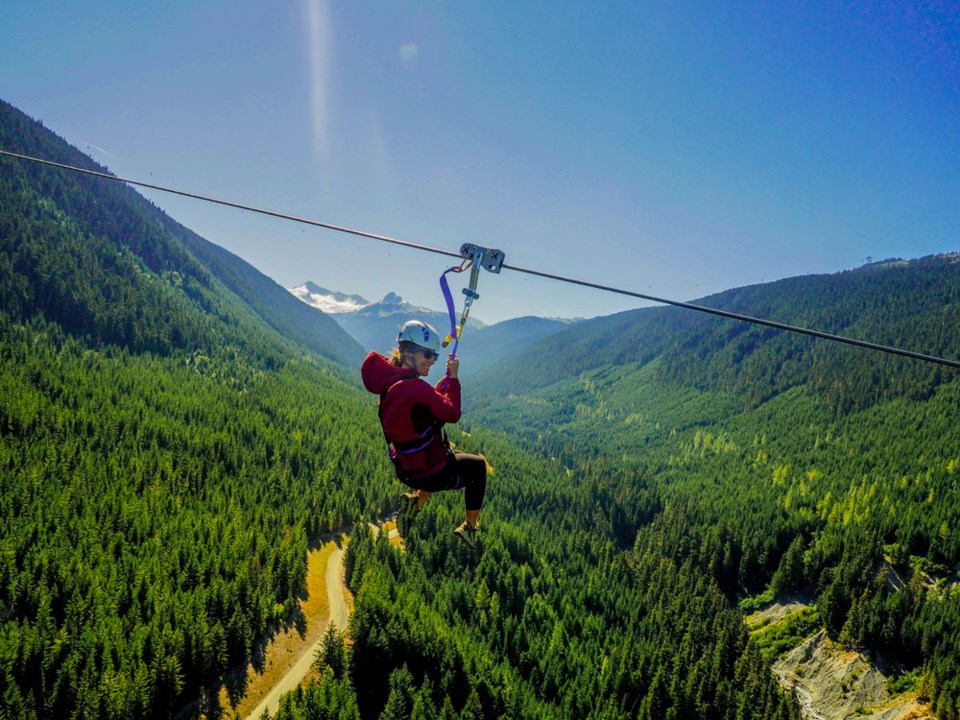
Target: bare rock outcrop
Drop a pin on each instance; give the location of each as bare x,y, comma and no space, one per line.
832,684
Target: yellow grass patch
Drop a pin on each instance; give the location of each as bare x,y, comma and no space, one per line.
288,644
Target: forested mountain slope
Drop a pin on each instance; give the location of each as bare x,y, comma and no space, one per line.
167,445
794,464
491,345
294,321
166,454
914,305
96,257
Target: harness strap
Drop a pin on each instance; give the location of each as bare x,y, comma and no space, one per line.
407,447
474,257
452,312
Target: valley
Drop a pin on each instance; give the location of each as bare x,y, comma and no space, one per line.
175,427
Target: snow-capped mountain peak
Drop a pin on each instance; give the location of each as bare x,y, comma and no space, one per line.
327,300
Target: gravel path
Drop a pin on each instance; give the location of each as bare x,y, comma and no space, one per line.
339,615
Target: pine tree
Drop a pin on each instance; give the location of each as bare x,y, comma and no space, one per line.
400,700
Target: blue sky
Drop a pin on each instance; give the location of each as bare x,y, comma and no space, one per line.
671,148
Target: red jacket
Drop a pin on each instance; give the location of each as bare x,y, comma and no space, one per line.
409,407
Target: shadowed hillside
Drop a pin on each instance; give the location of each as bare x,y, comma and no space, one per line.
97,258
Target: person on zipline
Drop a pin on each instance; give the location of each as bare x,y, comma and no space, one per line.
412,414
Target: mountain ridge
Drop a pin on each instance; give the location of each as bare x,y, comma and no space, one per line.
375,325
760,362
172,424
168,456
328,301
90,240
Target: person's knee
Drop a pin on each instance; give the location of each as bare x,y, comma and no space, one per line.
479,465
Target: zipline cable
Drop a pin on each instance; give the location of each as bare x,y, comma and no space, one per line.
550,276
229,203
745,318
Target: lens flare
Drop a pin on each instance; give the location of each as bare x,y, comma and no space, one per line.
319,36
409,54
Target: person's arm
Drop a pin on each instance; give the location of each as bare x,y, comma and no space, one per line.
444,404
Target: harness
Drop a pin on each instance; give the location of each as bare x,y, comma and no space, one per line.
407,447
474,257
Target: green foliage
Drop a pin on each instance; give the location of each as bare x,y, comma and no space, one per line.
904,682
400,701
93,256
776,639
171,439
754,603
549,624
327,699
838,473
333,652
156,518
167,446
555,618
913,304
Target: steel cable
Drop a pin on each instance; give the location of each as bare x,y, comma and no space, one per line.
538,273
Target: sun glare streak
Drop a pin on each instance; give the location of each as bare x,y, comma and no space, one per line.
319,34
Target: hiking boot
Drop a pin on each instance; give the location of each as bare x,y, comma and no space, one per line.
468,533
407,513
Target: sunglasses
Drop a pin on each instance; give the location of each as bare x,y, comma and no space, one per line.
429,354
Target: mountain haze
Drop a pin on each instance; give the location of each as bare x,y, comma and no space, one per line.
375,325
492,345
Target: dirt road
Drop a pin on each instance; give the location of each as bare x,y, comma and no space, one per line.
339,615
339,612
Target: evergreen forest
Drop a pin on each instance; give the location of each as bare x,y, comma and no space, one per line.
174,433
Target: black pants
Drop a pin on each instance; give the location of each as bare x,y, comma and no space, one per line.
462,471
